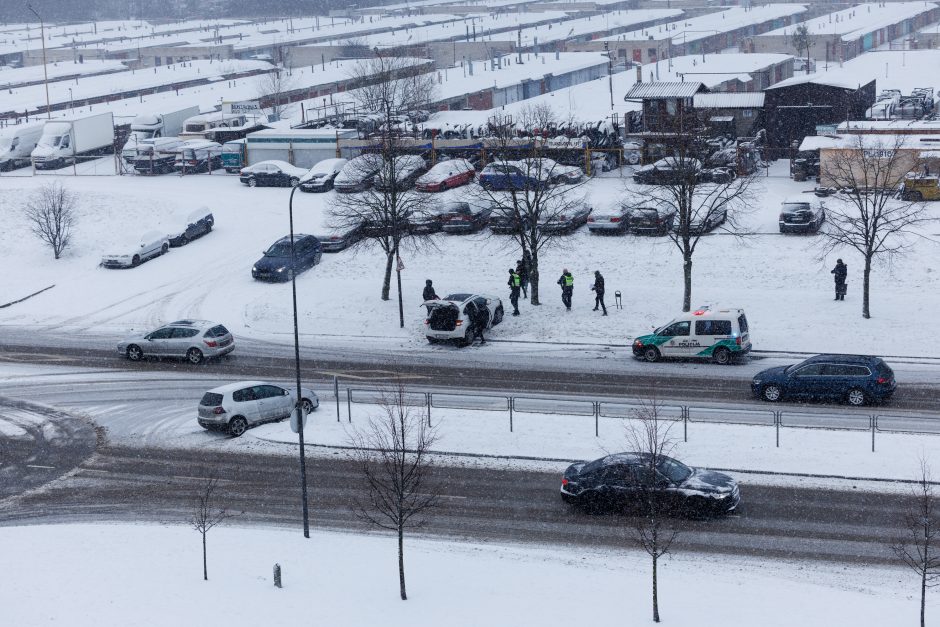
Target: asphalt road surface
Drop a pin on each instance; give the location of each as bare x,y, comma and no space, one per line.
159,485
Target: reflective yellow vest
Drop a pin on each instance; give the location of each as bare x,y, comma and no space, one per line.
569,280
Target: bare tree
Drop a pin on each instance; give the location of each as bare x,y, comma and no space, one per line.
541,193
386,211
393,455
648,433
273,88
801,40
871,218
919,546
207,514
699,197
52,213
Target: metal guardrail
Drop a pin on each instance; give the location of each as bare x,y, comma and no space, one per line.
626,409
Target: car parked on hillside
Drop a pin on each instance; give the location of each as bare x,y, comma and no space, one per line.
407,170
566,221
446,175
505,221
192,340
801,215
151,244
652,220
276,264
854,379
237,406
358,174
321,176
197,224
513,175
340,239
612,220
628,479
669,171
706,221
428,220
451,317
556,172
272,173
462,217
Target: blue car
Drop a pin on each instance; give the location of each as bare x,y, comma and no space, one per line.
276,264
854,379
513,175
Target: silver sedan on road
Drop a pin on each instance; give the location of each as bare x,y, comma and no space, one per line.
192,340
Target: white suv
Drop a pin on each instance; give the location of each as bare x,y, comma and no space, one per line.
236,406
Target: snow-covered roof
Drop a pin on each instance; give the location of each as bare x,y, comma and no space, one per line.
693,28
832,79
859,20
663,90
923,126
729,100
894,69
713,69
871,141
56,71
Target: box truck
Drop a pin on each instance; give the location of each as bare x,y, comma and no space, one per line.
63,141
151,126
16,144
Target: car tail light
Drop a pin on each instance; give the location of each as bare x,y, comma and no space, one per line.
211,343
883,380
592,220
427,321
737,340
458,323
614,219
564,481
218,410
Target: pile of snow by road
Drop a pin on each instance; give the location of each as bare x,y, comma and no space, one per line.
786,290
152,575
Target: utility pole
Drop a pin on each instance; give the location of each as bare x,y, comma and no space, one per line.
45,72
610,73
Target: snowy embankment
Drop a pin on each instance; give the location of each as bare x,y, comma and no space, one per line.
784,288
351,580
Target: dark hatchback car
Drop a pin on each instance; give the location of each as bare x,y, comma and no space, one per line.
340,239
462,217
198,223
854,379
276,263
651,221
626,479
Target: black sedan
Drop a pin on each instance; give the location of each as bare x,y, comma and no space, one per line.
276,264
625,479
198,223
272,174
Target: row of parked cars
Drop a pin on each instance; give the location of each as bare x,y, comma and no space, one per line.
163,155
155,243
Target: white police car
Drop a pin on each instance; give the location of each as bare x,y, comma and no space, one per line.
720,335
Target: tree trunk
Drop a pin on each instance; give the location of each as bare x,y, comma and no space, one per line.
866,312
687,281
655,590
401,306
534,280
205,567
401,562
387,282
923,595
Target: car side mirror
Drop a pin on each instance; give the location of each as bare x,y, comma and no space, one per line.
284,392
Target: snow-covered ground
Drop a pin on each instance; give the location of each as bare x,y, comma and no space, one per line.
151,576
778,280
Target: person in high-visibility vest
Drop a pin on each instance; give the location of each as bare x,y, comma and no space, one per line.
567,287
515,283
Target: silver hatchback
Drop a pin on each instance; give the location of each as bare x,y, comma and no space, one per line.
192,340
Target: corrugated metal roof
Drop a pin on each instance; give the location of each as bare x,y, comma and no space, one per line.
663,90
730,100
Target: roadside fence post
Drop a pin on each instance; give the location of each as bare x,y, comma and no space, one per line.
597,418
336,394
427,399
778,418
349,404
685,424
874,425
511,402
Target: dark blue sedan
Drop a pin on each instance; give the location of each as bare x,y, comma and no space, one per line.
276,264
513,175
854,379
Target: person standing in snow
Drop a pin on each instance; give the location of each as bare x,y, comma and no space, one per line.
478,318
598,288
841,272
567,288
522,269
429,293
514,283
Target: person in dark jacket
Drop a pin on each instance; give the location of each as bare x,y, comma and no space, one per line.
479,316
841,271
598,288
429,293
567,288
522,269
514,284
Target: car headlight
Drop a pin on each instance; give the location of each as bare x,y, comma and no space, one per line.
254,268
757,381
281,269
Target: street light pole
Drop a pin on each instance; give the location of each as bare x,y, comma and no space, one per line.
45,72
299,406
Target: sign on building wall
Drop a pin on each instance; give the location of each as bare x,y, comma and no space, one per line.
879,154
246,107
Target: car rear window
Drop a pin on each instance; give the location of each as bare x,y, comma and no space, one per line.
742,323
216,331
211,399
712,327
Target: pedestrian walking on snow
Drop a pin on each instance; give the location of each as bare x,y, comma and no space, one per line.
598,288
522,269
841,272
515,282
429,293
567,288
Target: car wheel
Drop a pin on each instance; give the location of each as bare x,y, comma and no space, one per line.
183,240
498,315
468,337
135,261
651,354
307,405
856,397
721,356
294,181
134,353
252,182
432,340
237,426
164,249
194,356
771,393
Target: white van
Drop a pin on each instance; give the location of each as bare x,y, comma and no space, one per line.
718,334
16,144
